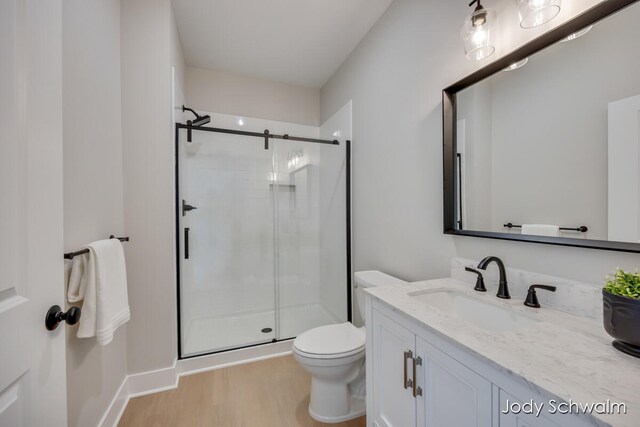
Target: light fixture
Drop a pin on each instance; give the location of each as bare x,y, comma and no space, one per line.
476,33
516,65
294,159
577,34
534,13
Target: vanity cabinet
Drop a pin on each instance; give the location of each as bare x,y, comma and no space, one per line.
415,384
418,378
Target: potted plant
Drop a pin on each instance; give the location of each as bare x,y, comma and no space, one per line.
621,298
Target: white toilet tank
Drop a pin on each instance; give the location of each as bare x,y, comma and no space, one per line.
369,279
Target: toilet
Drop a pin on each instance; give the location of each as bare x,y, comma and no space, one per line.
334,357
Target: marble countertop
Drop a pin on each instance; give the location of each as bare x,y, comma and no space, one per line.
563,355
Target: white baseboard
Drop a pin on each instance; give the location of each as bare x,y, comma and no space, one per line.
167,378
116,407
152,381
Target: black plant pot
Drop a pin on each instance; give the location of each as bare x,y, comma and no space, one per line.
622,321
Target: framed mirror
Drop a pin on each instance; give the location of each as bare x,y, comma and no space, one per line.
543,145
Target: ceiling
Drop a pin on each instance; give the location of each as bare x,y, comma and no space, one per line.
300,42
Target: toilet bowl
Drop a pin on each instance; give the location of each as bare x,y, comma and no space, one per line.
334,357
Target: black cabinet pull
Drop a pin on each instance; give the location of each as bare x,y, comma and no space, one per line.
186,243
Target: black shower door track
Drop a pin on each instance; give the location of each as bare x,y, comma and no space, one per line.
266,135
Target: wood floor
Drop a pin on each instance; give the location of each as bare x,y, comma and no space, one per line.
272,392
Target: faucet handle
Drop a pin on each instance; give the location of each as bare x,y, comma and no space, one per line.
532,297
479,281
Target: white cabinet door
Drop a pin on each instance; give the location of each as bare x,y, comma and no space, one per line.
393,403
32,360
452,394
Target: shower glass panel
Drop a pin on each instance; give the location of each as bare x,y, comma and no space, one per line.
311,259
267,240
227,287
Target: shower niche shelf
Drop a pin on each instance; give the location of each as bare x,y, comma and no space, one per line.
283,184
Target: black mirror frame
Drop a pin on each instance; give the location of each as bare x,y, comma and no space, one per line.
589,17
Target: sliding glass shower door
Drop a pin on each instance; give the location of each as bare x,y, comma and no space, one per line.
227,261
262,239
311,236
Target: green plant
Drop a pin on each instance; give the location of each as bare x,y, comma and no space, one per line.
623,284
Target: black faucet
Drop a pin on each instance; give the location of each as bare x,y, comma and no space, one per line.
503,289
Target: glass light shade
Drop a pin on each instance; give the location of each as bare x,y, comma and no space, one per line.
516,65
476,35
534,13
577,34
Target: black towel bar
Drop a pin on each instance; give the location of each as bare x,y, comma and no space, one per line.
581,229
70,255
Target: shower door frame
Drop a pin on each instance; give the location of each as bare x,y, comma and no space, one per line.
266,136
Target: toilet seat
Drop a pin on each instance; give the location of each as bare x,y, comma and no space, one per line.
330,342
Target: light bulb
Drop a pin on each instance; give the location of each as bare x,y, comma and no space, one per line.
479,37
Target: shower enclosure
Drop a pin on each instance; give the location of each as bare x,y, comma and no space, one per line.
263,235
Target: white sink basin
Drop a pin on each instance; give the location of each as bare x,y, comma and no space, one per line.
475,311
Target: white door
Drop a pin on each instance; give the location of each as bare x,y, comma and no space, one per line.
32,360
624,170
452,394
393,349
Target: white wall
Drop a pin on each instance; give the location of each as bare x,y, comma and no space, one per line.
395,78
223,92
93,200
149,47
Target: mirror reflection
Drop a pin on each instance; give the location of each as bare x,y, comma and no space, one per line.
551,145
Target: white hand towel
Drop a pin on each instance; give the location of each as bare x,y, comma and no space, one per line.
541,229
100,279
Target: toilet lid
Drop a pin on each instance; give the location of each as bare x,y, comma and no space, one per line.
337,340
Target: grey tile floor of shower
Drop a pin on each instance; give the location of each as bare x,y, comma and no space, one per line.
269,393
207,334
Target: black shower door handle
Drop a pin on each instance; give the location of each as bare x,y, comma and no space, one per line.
186,242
